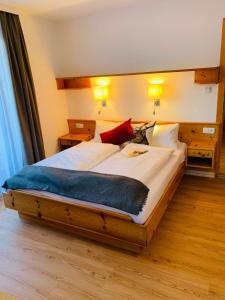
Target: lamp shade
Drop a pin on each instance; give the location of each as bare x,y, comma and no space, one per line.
101,92
155,90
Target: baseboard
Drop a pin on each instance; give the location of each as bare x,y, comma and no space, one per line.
222,176
200,173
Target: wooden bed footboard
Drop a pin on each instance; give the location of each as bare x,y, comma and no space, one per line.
94,223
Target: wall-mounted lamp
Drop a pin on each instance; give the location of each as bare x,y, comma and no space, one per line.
155,91
101,93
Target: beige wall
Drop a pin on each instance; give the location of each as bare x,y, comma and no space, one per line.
182,100
52,106
39,36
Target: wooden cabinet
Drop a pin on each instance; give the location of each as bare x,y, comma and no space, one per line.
70,140
201,154
207,76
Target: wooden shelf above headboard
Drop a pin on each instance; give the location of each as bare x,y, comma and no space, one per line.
73,83
82,82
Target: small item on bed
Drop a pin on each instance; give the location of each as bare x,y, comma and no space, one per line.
143,133
136,153
119,134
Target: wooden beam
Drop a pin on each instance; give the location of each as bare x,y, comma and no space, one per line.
135,73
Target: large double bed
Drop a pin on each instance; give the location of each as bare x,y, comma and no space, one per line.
159,169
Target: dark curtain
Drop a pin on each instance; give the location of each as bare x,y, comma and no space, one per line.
23,87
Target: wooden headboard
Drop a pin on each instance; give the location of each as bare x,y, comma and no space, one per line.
188,131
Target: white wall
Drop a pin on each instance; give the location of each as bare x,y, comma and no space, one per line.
39,35
154,35
182,100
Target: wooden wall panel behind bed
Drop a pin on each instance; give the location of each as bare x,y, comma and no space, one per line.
188,131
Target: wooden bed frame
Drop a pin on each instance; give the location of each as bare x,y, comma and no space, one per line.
97,224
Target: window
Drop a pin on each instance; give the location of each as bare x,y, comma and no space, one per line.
11,145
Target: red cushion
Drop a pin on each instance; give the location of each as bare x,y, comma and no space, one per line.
119,134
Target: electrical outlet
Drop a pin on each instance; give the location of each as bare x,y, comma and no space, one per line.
79,125
208,130
208,89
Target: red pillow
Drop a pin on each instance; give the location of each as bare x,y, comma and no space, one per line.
118,135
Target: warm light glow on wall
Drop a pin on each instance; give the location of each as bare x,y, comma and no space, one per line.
155,91
102,81
155,88
156,81
101,92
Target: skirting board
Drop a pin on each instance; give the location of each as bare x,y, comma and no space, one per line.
200,173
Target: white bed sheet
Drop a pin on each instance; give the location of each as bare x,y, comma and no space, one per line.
156,185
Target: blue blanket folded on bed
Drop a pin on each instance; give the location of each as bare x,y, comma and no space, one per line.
116,191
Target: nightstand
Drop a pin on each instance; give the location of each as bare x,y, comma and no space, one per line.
70,140
201,155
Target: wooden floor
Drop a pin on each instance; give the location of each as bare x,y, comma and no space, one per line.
186,259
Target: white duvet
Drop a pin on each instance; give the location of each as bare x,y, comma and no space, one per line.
81,157
156,184
108,159
142,167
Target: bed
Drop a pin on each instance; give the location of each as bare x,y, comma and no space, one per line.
99,222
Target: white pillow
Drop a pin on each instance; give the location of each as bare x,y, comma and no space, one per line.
102,126
165,136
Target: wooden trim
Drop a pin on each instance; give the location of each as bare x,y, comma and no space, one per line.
188,130
200,173
220,98
219,117
59,80
81,232
73,83
141,121
207,76
94,223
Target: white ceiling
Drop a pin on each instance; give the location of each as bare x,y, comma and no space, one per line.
64,9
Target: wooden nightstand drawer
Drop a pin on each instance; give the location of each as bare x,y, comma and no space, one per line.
70,140
200,153
66,142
